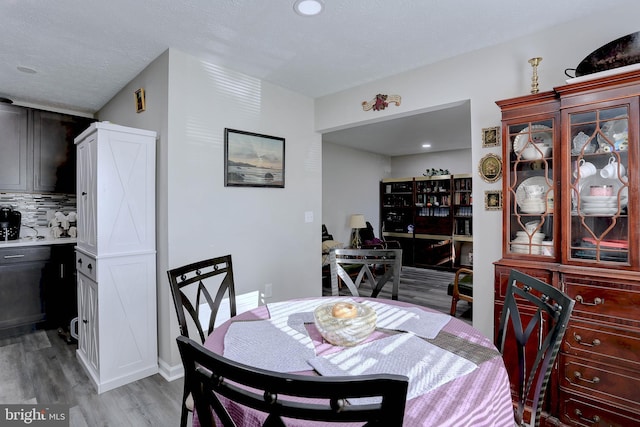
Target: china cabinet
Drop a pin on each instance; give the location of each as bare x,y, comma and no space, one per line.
115,254
571,218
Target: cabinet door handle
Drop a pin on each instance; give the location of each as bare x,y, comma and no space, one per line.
84,193
593,343
578,376
593,420
89,266
13,256
596,301
85,321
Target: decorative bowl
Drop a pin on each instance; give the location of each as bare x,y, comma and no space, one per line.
358,321
536,151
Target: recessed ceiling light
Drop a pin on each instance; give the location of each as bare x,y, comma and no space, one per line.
308,7
426,145
26,69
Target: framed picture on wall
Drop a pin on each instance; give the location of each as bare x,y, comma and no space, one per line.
253,160
141,103
491,137
493,200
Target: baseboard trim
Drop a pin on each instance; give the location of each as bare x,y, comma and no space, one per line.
170,372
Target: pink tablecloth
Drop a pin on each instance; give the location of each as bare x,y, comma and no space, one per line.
480,398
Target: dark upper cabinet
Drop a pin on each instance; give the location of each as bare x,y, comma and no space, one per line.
14,140
38,153
54,153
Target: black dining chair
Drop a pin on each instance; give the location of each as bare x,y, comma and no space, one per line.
280,395
538,315
198,290
360,264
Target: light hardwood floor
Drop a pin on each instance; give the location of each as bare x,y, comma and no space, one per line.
40,367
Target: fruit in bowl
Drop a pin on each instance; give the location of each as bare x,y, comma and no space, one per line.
536,151
345,323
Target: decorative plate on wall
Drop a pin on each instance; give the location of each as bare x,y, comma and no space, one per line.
490,167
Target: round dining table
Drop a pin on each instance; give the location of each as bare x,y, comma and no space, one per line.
481,397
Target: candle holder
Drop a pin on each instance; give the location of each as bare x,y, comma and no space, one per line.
534,79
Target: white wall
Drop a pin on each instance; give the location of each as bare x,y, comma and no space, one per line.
456,161
263,228
483,77
349,186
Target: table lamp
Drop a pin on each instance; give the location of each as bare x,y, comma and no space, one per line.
356,223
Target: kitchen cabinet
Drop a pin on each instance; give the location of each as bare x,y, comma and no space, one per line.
14,139
115,254
38,149
429,219
22,278
571,218
54,154
60,295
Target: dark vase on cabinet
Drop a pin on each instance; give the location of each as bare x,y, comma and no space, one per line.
571,218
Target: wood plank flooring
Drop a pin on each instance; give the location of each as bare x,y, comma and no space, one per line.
40,367
424,287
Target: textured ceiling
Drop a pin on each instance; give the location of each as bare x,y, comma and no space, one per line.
84,52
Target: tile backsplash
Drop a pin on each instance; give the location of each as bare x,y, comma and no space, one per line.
35,207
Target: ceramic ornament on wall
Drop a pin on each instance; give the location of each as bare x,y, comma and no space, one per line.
380,102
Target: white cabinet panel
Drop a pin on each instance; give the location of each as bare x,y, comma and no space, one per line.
116,253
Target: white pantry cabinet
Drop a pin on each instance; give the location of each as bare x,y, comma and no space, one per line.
116,255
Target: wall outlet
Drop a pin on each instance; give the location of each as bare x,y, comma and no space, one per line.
268,291
308,216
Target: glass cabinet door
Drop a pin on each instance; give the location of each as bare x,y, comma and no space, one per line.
529,221
599,190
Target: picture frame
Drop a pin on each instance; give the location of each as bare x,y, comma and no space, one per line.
490,168
491,137
253,159
493,200
140,100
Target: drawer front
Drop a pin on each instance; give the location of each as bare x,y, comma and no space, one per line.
501,280
581,411
86,265
603,343
607,302
605,382
24,254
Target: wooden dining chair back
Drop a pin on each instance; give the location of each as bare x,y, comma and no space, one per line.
461,288
281,395
537,314
198,290
354,266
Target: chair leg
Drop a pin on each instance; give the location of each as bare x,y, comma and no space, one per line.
454,306
183,416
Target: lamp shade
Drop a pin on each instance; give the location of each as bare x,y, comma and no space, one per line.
357,221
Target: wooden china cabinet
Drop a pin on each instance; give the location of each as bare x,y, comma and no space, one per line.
571,217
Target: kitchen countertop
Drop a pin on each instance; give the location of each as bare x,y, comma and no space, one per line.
28,238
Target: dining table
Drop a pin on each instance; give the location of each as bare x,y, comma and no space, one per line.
456,375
